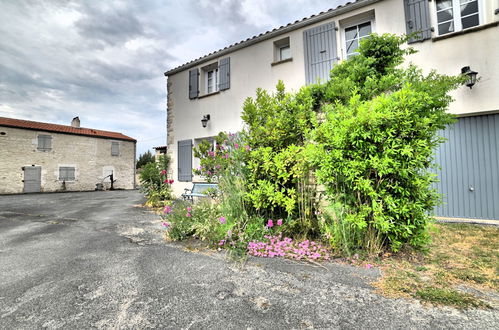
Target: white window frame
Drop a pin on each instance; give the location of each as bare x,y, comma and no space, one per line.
355,23
456,16
66,167
216,76
279,45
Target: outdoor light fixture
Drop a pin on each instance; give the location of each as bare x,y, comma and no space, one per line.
205,119
471,76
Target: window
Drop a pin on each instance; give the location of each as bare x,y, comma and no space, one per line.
212,81
115,148
282,50
66,173
353,36
456,15
44,142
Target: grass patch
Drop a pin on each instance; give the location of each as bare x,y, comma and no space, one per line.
459,255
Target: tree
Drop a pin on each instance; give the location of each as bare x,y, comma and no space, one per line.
145,158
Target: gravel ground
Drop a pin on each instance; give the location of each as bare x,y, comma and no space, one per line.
98,260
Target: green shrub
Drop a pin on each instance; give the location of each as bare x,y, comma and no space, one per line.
154,181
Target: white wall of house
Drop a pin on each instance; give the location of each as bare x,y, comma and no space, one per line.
91,157
251,68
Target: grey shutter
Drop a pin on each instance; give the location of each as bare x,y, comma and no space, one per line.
66,173
320,52
193,83
417,17
44,142
115,148
32,179
184,160
224,72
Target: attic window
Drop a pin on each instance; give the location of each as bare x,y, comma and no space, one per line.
282,50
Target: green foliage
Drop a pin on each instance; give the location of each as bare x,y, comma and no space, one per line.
154,181
375,147
146,158
278,172
213,161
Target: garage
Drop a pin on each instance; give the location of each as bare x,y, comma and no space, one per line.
469,175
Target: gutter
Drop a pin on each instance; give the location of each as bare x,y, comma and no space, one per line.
271,34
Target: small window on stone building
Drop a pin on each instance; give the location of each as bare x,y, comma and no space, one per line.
115,148
44,142
66,173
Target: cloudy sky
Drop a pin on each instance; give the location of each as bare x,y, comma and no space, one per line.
104,60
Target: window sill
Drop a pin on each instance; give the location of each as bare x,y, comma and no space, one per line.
469,30
209,94
280,62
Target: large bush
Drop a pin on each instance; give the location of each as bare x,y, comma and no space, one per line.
374,150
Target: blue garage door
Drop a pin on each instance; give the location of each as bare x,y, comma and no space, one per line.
469,175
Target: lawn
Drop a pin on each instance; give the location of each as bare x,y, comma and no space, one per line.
459,269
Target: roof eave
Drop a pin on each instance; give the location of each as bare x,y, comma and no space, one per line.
271,34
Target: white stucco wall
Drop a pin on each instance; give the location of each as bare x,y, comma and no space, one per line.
90,156
251,68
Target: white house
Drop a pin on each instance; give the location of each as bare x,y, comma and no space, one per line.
43,157
455,35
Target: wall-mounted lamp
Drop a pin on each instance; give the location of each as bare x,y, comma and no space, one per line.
205,119
471,76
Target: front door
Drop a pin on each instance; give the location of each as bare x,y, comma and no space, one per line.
32,179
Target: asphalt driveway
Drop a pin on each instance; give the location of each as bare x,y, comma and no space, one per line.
98,260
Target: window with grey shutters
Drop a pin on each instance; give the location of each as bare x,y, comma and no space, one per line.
44,142
66,173
320,52
417,16
224,73
115,148
184,160
193,83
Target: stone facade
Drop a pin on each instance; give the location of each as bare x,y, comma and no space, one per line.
89,156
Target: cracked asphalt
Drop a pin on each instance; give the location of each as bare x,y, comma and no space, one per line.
98,260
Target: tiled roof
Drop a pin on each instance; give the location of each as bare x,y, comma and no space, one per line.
34,125
351,5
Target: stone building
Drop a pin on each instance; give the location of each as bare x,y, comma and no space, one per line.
205,95
43,157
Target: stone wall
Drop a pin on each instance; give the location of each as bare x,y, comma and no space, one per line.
90,156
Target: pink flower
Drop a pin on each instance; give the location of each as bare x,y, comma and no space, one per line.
166,181
208,172
166,225
217,167
270,223
167,209
279,222
236,145
369,266
222,242
189,209
222,220
163,172
171,181
226,156
248,148
188,214
211,154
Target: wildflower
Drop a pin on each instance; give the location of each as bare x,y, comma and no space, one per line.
166,225
222,220
167,209
222,242
163,172
236,145
208,172
369,266
229,233
279,222
166,181
226,156
217,167
248,148
188,214
189,209
211,154
171,181
270,223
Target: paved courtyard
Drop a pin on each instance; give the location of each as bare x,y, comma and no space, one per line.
98,260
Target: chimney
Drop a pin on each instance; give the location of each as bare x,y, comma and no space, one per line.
75,122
